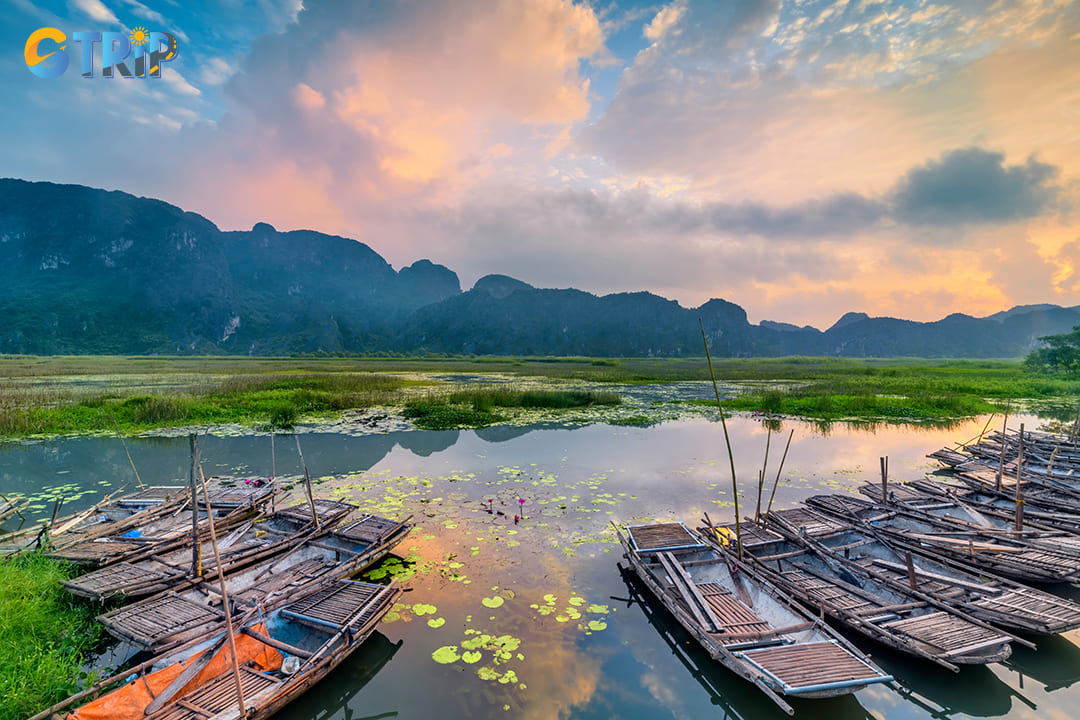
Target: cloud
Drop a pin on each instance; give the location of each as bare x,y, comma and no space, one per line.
216,70
974,185
96,10
746,101
140,10
409,99
307,97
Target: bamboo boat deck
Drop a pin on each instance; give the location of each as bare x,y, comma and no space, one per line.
217,696
329,511
809,522
330,607
121,578
797,667
146,624
662,536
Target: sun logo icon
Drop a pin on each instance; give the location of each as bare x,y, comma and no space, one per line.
139,36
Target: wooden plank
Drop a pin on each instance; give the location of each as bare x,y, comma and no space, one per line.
694,601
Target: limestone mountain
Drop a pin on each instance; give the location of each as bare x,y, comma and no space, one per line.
94,271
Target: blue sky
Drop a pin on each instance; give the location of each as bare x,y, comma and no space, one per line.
799,157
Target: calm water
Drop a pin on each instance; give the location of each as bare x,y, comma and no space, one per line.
535,619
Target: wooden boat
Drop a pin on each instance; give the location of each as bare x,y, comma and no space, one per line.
173,617
1000,602
1047,458
737,699
176,564
280,656
972,546
744,623
160,526
846,593
66,530
976,504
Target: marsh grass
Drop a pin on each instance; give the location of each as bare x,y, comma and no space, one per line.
829,401
45,635
473,407
55,395
277,399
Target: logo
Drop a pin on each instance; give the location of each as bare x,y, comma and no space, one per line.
47,54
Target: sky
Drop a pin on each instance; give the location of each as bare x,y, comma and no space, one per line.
800,158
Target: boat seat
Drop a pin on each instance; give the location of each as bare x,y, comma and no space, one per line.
736,617
216,696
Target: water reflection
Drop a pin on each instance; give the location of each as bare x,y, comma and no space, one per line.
973,692
1056,664
574,482
337,689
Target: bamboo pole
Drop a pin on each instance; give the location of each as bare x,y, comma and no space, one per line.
1019,523
778,471
985,428
119,435
273,457
196,546
2,495
1001,463
764,464
224,598
307,485
884,480
727,439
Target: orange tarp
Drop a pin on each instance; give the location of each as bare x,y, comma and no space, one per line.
129,702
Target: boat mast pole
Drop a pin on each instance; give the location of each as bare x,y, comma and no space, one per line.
224,598
196,547
307,485
1019,522
1001,462
779,470
727,439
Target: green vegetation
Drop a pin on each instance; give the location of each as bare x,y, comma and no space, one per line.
632,421
439,416
54,395
45,636
472,407
1061,354
817,402
274,399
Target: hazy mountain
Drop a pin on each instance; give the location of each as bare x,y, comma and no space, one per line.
91,271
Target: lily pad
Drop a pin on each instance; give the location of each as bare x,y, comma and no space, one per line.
446,654
493,602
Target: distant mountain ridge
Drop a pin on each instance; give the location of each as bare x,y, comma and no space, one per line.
94,271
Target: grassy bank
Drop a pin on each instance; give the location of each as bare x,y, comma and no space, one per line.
474,407
272,399
45,636
55,395
819,403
